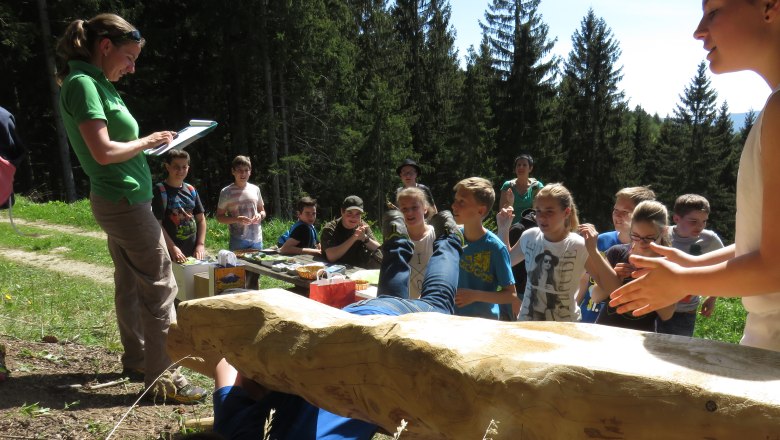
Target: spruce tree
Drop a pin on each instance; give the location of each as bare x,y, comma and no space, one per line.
524,90
599,157
722,187
687,143
474,154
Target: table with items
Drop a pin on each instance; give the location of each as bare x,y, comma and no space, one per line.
302,270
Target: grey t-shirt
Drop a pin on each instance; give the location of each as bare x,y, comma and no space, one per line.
707,241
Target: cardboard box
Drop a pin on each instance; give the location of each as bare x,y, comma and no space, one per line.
184,274
201,285
223,278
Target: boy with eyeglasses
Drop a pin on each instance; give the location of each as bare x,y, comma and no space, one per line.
625,201
691,213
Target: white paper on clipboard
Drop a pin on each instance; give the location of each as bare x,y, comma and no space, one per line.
196,130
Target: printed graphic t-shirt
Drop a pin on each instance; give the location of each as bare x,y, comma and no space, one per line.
237,201
484,265
554,271
178,220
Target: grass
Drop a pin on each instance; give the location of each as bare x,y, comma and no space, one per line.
79,214
72,247
35,303
726,323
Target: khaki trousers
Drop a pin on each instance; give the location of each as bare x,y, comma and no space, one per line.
144,284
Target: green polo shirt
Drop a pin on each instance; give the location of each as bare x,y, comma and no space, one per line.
86,94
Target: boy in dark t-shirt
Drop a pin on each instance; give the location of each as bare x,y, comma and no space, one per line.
349,240
178,208
302,238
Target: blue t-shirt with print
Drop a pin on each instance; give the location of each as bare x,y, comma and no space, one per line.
484,265
589,310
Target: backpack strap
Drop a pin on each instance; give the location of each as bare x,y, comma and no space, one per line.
191,189
163,195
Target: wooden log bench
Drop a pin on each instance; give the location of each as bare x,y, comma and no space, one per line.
449,376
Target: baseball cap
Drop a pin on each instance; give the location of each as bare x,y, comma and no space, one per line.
352,202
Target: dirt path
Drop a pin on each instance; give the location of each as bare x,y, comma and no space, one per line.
54,261
60,228
100,274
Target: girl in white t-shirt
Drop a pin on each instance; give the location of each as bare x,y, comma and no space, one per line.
413,204
555,256
738,35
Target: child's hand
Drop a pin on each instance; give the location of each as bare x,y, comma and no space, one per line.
360,232
624,270
589,233
244,220
509,197
177,255
504,218
674,255
708,306
464,297
657,286
200,252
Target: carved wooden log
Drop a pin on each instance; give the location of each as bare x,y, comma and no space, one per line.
448,377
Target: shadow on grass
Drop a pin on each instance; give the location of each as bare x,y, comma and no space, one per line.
42,389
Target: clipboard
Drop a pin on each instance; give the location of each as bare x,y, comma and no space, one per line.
197,129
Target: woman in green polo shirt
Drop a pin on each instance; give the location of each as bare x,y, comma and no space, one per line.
104,135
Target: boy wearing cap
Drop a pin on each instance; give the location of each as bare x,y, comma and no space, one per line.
347,240
409,171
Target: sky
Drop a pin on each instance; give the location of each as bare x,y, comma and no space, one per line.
659,54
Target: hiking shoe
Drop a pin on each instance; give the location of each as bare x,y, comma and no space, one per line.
393,225
444,224
166,392
133,374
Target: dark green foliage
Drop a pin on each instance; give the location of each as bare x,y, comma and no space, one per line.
599,155
524,83
699,140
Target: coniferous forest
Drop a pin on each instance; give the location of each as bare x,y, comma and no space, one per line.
328,96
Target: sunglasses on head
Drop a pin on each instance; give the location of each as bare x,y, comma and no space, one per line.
133,35
130,35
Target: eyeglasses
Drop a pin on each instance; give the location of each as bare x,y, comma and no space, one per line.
649,239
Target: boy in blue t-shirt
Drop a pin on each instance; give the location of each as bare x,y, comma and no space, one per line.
302,237
485,280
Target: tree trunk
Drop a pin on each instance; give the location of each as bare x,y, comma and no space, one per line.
62,137
269,107
450,376
288,193
238,126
